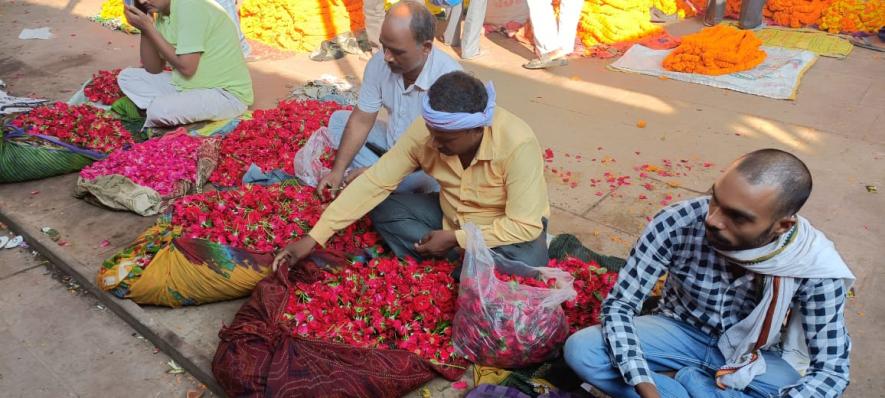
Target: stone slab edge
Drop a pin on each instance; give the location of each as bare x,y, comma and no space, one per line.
166,340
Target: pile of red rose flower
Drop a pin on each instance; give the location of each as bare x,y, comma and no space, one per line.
263,219
82,125
270,139
386,304
592,282
327,159
389,303
158,164
103,88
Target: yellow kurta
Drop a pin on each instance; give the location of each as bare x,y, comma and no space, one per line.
503,191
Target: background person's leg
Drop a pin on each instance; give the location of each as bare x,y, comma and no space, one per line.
544,27
667,344
569,16
452,34
403,219
751,13
365,157
715,12
142,87
373,10
192,106
473,27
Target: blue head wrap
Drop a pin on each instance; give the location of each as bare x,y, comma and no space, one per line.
459,120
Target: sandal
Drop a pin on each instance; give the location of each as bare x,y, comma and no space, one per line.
545,62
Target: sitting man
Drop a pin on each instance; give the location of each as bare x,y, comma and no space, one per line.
209,78
397,79
490,170
741,263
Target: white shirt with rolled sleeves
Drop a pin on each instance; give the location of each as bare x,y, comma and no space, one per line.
383,88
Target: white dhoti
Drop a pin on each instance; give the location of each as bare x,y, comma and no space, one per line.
166,105
550,34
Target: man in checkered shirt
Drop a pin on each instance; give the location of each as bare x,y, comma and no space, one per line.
701,244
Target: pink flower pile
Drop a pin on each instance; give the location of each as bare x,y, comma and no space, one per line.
158,164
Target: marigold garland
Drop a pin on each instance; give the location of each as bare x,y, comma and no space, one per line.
718,50
791,13
834,16
613,21
853,16
299,25
112,10
795,13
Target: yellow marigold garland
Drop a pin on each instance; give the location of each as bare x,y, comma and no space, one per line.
613,21
113,10
834,16
299,25
718,50
853,16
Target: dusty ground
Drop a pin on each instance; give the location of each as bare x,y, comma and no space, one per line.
54,333
586,114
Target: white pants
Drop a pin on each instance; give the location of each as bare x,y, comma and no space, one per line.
473,21
550,36
373,10
166,106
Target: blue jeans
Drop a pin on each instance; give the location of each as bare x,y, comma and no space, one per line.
670,345
418,181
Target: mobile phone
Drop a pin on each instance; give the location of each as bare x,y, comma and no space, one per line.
129,2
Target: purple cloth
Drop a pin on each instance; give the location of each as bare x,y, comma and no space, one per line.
16,132
494,391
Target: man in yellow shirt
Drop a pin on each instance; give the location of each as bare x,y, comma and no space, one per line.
490,170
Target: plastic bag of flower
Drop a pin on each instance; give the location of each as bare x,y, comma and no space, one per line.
217,245
146,177
315,159
503,323
57,139
258,358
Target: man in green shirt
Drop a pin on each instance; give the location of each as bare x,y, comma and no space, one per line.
209,78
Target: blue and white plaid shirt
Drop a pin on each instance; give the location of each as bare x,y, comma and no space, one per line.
702,291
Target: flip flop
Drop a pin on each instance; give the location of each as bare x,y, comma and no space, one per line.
482,52
541,63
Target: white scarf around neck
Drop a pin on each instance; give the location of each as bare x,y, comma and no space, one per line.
807,255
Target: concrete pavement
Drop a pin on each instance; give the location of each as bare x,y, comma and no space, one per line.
59,341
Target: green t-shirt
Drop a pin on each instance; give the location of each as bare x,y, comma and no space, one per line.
202,26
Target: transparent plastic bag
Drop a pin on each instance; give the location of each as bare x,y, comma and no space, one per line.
314,160
505,324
